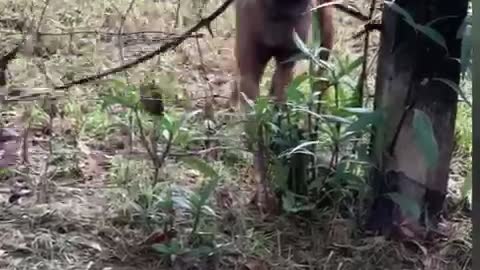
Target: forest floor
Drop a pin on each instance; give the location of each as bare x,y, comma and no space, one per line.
84,156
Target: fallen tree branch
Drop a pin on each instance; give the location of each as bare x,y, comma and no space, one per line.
92,32
170,45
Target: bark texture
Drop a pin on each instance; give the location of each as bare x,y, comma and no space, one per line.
409,62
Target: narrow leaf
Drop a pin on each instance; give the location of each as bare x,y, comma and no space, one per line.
408,206
303,47
300,44
301,146
454,87
350,68
167,249
433,35
401,11
358,110
425,138
373,118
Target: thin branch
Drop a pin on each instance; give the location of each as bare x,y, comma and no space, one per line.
96,32
170,45
143,138
120,37
208,107
366,46
166,152
42,15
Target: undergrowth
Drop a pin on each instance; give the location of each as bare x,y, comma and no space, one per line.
178,177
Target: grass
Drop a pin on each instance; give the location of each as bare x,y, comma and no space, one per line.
103,205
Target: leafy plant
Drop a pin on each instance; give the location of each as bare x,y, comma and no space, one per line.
164,126
198,201
197,204
299,135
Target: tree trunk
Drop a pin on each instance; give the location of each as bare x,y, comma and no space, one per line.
409,62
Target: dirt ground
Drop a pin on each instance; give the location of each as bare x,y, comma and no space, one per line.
80,227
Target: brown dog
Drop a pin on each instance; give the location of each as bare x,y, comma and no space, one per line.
264,29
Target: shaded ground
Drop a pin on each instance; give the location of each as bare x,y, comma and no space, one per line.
80,227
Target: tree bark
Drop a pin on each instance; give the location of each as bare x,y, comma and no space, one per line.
409,61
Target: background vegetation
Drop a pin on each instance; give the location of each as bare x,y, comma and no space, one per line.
104,184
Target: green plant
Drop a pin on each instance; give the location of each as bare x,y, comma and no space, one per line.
161,125
154,207
289,132
196,202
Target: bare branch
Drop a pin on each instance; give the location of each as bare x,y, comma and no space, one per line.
170,45
120,37
42,15
96,32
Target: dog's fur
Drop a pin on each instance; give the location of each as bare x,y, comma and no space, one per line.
264,29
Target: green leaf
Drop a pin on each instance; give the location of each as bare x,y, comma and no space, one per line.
355,182
336,119
401,11
293,92
250,102
200,166
302,146
358,110
426,30
454,87
208,210
290,204
303,48
300,44
168,249
425,138
168,122
433,35
373,118
350,68
261,106
206,190
408,206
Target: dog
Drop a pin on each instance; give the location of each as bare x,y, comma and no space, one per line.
264,30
